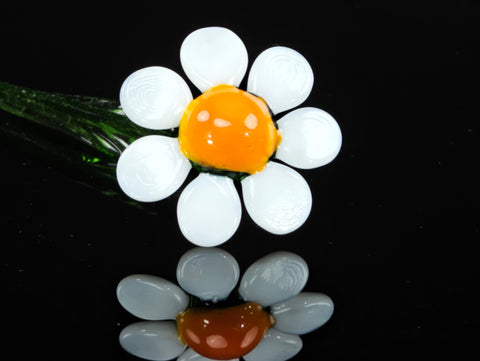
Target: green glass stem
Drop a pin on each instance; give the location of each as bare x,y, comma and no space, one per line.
82,134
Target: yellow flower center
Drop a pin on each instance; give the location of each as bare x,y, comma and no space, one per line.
228,129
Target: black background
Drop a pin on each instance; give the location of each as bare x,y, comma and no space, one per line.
392,233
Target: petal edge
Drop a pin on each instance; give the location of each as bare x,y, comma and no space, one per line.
212,56
151,298
274,278
209,210
152,168
282,76
155,97
275,346
152,340
278,198
208,273
303,313
311,138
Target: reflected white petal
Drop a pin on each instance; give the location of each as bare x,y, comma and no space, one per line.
208,273
212,56
278,199
152,340
310,138
155,97
209,210
152,168
303,313
274,278
275,346
151,298
281,76
191,355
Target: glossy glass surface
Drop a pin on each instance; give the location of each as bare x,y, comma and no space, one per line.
155,97
230,129
191,355
152,340
224,333
212,56
310,138
281,76
277,346
151,298
278,199
152,168
209,273
274,278
209,210
303,313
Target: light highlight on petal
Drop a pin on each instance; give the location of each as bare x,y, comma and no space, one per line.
155,97
275,346
212,56
278,199
151,298
152,168
303,313
152,340
274,278
191,355
209,210
310,138
208,273
282,76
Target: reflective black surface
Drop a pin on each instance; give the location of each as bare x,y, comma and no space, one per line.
395,219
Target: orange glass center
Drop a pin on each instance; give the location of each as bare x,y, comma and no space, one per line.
228,129
225,333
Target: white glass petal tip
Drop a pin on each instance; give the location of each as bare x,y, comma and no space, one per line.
191,355
152,168
151,298
274,278
212,56
282,76
155,97
310,138
303,313
209,210
278,199
275,346
208,273
152,340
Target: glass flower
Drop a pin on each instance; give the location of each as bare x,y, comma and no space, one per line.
227,130
260,321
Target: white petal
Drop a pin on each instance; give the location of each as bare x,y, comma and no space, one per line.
154,340
155,97
151,298
310,138
275,346
191,355
274,278
281,76
208,273
152,168
278,199
302,313
212,56
209,210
